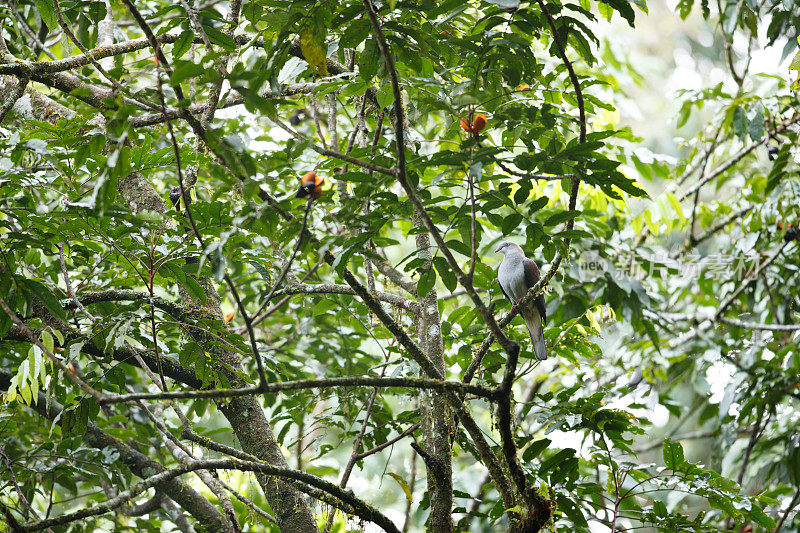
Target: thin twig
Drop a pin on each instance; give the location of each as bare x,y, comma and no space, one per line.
792,505
332,153
288,265
746,283
68,283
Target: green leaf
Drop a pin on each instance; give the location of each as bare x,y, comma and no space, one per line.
534,449
572,511
182,44
537,204
195,289
740,122
369,59
427,279
312,45
445,272
385,96
757,515
184,70
49,300
96,11
219,38
511,222
403,485
624,8
355,33
794,65
554,460
48,14
676,205
673,454
757,125
623,182
684,8
561,217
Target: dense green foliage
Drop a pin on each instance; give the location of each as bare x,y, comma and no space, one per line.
149,219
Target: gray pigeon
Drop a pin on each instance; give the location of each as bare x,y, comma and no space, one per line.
516,274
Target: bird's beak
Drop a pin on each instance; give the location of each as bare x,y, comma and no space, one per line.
497,251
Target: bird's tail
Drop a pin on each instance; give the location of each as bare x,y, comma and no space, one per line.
534,323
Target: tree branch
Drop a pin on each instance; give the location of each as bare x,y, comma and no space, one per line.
322,383
363,510
330,288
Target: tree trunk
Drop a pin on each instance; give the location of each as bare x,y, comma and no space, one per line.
437,418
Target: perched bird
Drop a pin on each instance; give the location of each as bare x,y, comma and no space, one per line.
479,123
516,274
310,184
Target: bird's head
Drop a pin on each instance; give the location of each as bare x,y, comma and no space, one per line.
508,247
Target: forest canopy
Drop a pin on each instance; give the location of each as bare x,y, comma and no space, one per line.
250,266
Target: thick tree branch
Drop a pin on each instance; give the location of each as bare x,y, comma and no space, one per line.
200,508
322,383
363,510
331,288
15,94
56,361
487,455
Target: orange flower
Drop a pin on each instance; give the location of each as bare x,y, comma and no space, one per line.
229,317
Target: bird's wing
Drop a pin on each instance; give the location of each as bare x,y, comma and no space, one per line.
501,286
531,272
532,277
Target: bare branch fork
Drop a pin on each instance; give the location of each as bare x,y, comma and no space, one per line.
301,234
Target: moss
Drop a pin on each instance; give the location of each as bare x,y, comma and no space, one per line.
140,195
